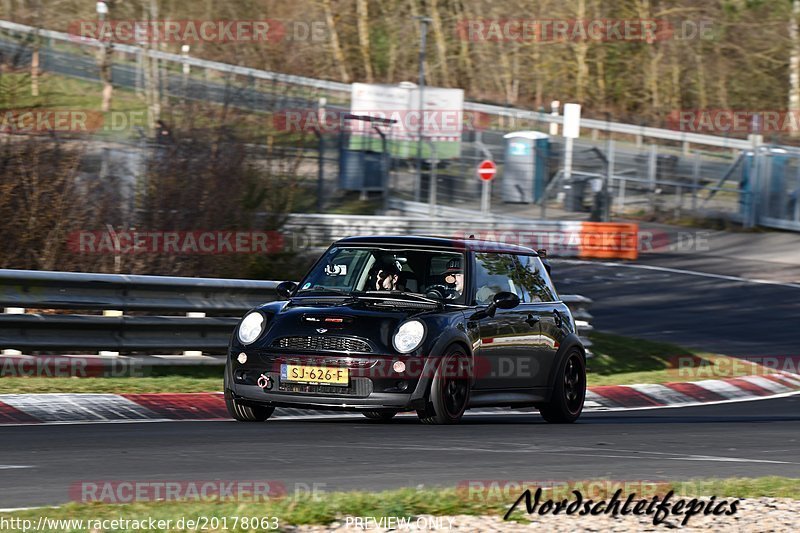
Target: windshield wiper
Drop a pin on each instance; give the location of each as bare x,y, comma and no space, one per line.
409,294
323,290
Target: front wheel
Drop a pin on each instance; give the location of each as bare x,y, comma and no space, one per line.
449,394
569,391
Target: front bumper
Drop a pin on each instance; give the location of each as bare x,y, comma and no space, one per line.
376,400
373,382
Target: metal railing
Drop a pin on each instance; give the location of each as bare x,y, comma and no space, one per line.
23,290
118,294
343,90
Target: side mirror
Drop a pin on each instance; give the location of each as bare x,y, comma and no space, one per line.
286,289
501,300
505,300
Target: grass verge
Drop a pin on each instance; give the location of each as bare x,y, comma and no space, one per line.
325,508
624,361
153,379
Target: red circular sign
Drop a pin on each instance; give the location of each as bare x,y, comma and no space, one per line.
487,170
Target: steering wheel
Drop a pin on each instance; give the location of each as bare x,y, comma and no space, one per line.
441,292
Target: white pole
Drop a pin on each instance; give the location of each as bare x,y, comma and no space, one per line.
554,105
485,195
572,130
568,159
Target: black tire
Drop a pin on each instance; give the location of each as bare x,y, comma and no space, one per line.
381,415
449,392
241,412
569,391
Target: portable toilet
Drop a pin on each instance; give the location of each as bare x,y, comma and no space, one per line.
525,168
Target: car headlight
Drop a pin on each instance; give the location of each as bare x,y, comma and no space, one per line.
408,336
251,327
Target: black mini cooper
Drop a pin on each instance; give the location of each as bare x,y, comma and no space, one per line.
389,324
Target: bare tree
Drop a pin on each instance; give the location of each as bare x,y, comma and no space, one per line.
362,16
36,46
107,57
794,61
336,47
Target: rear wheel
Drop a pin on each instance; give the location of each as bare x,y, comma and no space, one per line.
241,412
380,415
449,394
569,391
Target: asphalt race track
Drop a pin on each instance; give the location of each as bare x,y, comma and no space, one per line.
39,463
708,312
735,439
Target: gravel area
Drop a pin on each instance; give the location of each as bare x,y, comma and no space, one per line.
756,514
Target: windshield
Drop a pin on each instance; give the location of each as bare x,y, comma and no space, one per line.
394,272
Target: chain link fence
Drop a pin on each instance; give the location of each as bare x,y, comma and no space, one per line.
618,169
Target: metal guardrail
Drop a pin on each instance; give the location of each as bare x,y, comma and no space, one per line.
176,58
321,229
525,114
36,290
58,333
70,290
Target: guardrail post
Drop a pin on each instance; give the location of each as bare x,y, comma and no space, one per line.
110,313
432,186
13,311
194,353
607,183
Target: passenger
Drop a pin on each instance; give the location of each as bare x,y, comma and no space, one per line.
385,278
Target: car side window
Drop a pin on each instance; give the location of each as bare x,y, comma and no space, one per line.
494,273
533,278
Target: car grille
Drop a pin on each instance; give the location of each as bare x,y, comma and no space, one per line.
314,343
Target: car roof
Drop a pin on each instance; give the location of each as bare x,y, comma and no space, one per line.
477,245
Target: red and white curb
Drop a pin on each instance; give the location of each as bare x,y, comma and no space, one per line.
72,408
626,397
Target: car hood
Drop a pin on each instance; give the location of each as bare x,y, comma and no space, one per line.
371,322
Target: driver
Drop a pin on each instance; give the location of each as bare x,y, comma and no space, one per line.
454,278
453,286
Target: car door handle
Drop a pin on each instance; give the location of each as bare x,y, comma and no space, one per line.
532,320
